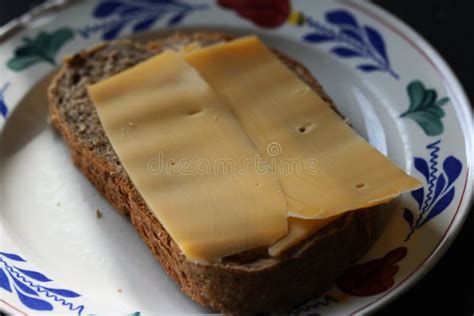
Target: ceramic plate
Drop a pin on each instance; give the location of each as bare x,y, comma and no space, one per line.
57,255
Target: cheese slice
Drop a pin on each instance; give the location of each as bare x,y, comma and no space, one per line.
276,108
189,158
298,230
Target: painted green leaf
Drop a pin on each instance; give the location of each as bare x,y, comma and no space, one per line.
430,123
429,98
21,63
26,51
415,93
442,101
424,109
41,40
59,38
42,48
33,51
436,111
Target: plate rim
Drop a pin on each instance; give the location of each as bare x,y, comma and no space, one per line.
464,114
456,89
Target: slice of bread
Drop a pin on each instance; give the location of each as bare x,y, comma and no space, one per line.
244,283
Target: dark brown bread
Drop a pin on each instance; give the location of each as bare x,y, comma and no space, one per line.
245,283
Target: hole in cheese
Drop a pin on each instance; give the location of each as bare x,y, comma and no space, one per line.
194,111
305,128
360,185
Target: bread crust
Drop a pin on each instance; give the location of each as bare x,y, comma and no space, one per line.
250,282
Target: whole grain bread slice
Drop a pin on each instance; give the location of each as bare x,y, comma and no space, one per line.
249,282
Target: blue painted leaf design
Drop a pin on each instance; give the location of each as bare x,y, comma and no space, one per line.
35,275
440,185
345,52
166,2
139,14
12,256
145,24
4,282
419,196
3,106
377,42
408,216
440,206
25,288
422,166
354,35
3,109
106,8
34,303
176,19
113,31
317,38
62,292
358,41
342,18
368,67
452,167
130,11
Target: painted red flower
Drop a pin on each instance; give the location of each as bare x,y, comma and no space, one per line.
264,13
372,277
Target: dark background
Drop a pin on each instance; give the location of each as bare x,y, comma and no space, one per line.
447,24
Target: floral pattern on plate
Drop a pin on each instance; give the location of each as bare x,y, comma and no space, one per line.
141,15
425,108
30,287
439,193
3,105
42,48
355,34
352,40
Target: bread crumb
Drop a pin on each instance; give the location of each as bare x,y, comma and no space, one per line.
98,213
58,204
119,290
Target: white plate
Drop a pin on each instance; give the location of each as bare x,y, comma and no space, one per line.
57,256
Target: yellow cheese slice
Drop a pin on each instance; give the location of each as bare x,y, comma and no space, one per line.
276,108
175,138
298,230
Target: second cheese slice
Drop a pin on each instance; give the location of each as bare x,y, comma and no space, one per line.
275,107
189,158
